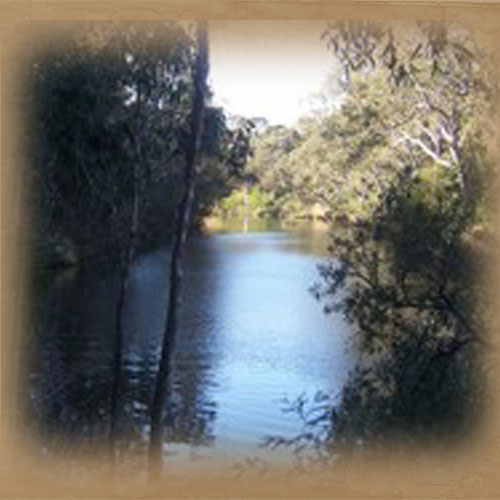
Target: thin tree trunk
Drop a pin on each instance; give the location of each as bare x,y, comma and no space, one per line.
124,284
182,224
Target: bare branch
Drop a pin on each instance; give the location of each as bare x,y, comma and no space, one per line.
405,137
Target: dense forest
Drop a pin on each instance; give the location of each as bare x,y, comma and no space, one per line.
130,154
115,104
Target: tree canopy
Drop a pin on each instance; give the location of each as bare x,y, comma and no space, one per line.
99,97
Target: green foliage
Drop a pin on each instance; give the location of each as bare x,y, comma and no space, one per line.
414,396
414,96
411,282
238,205
271,149
106,101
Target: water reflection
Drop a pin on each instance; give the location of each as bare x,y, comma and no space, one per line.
250,334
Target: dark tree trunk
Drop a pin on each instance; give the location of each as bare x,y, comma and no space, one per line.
182,224
124,283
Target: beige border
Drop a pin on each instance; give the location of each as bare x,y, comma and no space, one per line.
471,471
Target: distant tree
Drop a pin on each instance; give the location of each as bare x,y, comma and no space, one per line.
260,123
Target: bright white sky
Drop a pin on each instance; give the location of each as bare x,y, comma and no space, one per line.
268,68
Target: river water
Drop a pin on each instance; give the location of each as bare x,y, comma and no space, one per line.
251,334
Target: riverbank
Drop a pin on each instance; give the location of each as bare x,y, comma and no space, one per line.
216,223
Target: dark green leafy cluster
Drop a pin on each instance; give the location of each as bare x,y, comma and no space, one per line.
105,102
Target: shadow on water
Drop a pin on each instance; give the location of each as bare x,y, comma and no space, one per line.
250,334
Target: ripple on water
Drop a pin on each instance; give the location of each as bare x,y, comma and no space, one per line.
250,334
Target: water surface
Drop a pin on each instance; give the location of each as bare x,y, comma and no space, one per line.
250,335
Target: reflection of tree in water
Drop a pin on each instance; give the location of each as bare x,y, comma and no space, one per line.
191,414
70,377
71,374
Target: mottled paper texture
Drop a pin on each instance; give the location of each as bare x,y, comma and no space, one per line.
469,469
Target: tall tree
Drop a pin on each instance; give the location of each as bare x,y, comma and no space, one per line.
412,287
135,134
182,225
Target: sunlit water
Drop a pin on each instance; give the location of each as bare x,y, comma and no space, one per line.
251,334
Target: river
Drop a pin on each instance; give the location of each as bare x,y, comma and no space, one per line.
251,335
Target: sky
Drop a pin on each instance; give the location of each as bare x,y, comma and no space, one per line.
268,69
